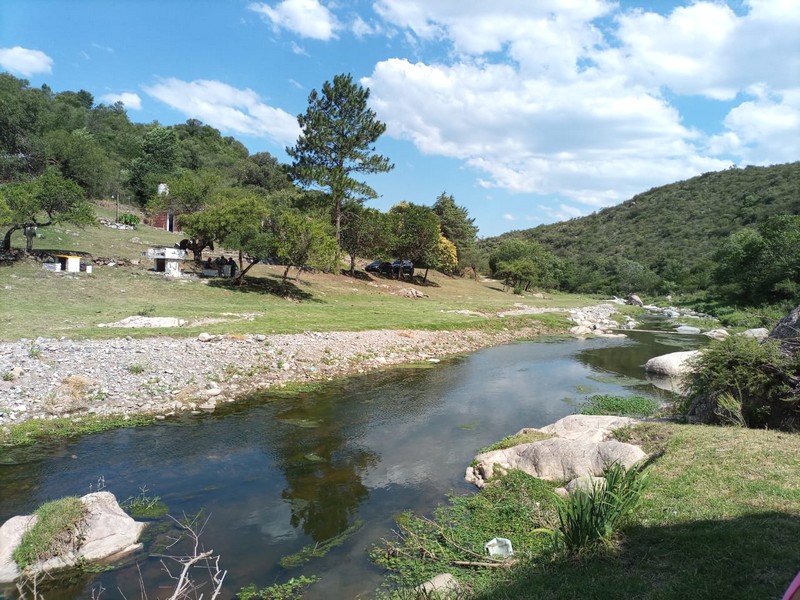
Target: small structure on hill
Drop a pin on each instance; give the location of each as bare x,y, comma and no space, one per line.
167,259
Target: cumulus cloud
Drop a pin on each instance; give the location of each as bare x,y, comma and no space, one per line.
25,61
547,98
306,18
129,99
227,108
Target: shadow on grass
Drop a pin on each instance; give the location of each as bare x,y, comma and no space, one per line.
360,275
274,286
755,556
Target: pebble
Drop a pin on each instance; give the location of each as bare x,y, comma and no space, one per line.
161,375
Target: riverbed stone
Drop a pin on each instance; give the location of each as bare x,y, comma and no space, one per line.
759,333
443,586
108,533
554,459
581,447
674,364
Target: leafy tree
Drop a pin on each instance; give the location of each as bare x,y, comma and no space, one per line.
154,164
336,143
457,227
264,171
22,112
415,233
447,256
81,159
227,211
42,202
762,264
300,241
364,232
521,264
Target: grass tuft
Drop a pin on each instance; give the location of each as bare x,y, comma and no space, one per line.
57,531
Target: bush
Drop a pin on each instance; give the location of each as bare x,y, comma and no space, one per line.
588,518
742,379
129,219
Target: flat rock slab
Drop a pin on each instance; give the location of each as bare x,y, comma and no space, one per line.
555,459
108,532
591,428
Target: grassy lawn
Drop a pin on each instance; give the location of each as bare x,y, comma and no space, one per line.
719,519
40,303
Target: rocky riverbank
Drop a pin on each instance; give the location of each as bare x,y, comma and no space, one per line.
47,378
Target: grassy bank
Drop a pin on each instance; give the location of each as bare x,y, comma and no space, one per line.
719,519
40,303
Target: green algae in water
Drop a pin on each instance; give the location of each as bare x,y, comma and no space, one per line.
320,549
302,423
616,380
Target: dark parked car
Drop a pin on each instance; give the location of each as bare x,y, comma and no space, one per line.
379,266
406,265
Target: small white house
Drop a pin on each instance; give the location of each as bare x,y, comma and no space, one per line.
166,259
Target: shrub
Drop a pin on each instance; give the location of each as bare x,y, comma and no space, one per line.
743,380
129,219
588,518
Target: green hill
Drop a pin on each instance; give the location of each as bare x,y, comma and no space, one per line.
671,231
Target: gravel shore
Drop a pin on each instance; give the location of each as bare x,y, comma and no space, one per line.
46,378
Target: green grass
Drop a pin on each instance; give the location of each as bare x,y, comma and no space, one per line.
57,530
628,406
34,430
515,440
720,518
74,305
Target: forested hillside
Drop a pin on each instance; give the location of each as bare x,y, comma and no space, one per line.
665,239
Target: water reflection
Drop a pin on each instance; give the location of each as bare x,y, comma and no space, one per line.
278,473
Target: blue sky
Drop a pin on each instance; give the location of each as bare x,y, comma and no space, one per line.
527,111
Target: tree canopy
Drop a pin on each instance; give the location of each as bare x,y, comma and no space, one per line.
338,133
42,202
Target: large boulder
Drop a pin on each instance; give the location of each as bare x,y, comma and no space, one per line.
108,533
555,459
788,327
580,448
586,428
674,364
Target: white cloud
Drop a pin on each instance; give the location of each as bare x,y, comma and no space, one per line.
129,99
509,217
227,108
298,49
593,139
762,131
361,28
543,98
707,49
306,18
108,49
25,61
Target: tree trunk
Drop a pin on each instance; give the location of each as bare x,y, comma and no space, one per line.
286,272
240,278
352,265
425,277
7,238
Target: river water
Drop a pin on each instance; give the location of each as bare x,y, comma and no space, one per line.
278,472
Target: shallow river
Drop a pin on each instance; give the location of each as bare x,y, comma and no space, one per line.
275,473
